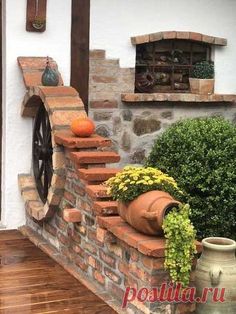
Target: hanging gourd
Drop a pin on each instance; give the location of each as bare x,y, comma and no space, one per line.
50,77
82,127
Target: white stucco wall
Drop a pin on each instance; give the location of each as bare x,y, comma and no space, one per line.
17,131
113,22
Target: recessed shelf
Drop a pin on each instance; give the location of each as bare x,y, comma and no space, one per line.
176,97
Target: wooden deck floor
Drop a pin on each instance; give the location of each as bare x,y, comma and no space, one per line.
31,282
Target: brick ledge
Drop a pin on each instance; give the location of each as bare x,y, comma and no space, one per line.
153,246
142,39
177,97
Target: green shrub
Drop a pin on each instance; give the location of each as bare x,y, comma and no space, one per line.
200,154
203,70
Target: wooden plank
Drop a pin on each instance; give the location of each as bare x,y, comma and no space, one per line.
34,283
80,48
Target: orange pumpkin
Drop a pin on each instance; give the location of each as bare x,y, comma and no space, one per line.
82,127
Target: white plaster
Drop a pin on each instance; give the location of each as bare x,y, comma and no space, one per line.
113,22
17,131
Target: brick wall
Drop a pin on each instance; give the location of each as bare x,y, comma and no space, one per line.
78,226
87,236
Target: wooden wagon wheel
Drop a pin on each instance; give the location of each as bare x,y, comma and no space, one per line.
42,153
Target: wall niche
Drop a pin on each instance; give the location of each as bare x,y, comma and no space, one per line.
165,65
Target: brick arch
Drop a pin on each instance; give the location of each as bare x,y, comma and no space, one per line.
142,39
63,104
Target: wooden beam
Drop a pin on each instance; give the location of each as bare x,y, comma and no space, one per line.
80,48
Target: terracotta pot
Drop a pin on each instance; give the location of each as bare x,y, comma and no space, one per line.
146,212
202,86
216,268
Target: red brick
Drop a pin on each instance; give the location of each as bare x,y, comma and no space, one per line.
99,277
103,79
68,139
78,250
220,41
94,263
130,282
112,276
90,248
97,191
63,117
92,236
62,238
78,189
185,308
50,229
32,78
94,157
35,63
115,248
182,35
61,224
102,104
70,197
108,259
141,39
56,103
109,222
105,208
123,268
26,181
73,234
105,236
134,238
208,39
67,252
97,54
195,36
97,174
169,35
134,255
153,263
122,231
49,91
72,215
81,263
154,248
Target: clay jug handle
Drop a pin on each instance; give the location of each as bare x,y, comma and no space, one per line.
150,216
215,273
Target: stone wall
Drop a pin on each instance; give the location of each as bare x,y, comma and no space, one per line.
133,126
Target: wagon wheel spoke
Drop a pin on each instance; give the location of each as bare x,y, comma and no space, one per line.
42,153
41,169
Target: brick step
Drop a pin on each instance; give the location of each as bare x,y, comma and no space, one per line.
94,157
108,208
97,191
97,174
69,140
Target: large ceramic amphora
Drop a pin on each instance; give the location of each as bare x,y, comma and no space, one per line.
147,211
216,270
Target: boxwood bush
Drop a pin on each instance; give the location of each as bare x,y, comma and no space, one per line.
200,154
